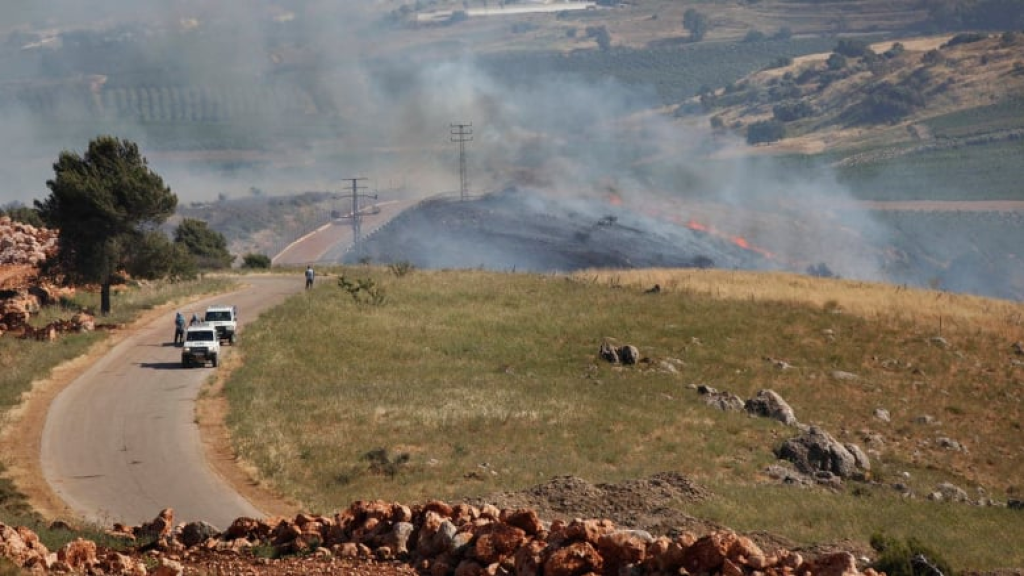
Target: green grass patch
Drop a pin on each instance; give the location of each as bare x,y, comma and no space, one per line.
1006,115
969,536
989,171
465,383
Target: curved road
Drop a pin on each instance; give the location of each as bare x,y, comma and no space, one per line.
120,443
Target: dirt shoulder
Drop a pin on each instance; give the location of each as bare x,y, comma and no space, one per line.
211,415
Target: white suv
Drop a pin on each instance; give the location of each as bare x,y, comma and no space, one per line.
224,320
201,346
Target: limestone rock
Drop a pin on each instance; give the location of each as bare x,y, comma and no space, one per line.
770,404
817,451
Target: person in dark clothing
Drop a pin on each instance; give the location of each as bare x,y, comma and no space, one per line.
179,328
309,277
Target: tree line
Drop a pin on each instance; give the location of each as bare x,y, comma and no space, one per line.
108,206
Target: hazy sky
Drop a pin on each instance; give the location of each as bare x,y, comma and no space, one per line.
563,136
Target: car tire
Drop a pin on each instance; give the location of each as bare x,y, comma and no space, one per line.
185,363
231,340
213,360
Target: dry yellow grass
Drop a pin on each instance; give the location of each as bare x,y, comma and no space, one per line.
941,310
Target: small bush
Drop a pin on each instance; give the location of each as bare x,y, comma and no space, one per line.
254,261
852,48
363,290
402,268
897,49
907,558
384,464
780,62
790,111
932,57
965,38
765,131
821,270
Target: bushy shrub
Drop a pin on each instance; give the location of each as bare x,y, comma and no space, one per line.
790,111
895,50
780,62
765,131
254,261
965,38
401,268
784,91
852,48
888,103
836,61
601,36
932,57
21,213
907,558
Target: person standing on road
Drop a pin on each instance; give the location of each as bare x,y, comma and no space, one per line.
179,328
309,277
195,319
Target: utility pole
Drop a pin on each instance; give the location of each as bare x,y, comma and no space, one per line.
462,133
357,213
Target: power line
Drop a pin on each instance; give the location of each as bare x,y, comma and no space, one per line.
462,133
357,213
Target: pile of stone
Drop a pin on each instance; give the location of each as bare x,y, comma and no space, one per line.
22,243
23,248
437,539
80,322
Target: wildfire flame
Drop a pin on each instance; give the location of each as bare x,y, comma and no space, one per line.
737,240
616,200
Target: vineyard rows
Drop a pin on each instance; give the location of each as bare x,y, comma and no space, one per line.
161,103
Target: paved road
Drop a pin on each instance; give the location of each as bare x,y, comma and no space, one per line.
121,443
328,243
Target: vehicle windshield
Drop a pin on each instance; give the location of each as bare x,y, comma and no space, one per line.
195,336
216,316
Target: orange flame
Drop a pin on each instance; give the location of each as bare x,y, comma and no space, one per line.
694,225
616,200
737,240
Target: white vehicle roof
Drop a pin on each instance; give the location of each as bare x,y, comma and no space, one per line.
201,326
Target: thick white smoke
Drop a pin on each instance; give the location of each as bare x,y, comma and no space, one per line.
561,135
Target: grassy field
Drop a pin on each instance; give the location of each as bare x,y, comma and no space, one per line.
453,384
988,171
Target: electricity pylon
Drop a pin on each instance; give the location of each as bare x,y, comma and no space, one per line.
357,212
462,133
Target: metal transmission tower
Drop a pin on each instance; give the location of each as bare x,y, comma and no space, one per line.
462,133
357,213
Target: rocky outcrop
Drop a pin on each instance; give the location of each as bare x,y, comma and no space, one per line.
816,453
769,404
22,243
435,538
23,248
627,355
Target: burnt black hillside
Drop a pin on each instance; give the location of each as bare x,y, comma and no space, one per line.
522,230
